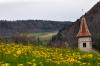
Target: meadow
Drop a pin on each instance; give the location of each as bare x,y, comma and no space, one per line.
43,38
30,55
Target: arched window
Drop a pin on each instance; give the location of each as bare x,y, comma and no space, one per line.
84,44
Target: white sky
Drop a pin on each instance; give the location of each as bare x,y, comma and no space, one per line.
58,10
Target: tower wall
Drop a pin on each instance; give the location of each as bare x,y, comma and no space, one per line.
87,41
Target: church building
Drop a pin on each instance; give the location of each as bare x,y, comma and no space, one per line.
84,36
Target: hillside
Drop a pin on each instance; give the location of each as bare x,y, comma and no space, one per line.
10,28
67,36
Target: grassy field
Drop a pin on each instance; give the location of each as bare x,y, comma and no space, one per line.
22,55
39,38
44,37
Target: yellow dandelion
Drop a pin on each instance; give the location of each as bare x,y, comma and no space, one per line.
90,55
20,65
29,62
6,64
34,64
2,64
18,52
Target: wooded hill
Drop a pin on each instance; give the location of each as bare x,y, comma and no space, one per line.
10,28
67,36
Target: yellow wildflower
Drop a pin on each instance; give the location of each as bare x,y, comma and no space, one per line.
20,65
6,64
18,52
34,64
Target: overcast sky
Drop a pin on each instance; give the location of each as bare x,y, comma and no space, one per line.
58,10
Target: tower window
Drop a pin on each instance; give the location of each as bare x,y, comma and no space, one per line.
84,44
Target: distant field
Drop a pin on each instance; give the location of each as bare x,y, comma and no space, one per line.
44,34
39,38
47,35
44,37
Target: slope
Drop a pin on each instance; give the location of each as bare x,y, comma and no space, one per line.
67,36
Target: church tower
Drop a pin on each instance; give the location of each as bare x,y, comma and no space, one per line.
84,36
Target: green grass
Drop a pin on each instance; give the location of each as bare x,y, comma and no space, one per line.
44,37
41,38
44,34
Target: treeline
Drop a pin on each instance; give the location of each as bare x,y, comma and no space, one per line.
10,28
22,39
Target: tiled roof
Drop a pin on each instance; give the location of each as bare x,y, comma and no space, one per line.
83,31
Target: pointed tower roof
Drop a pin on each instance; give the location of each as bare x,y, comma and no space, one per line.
83,31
